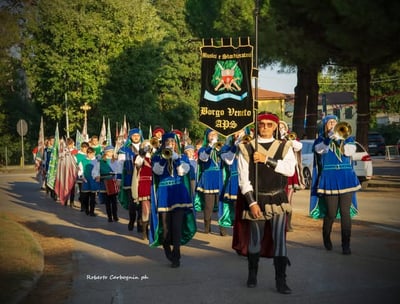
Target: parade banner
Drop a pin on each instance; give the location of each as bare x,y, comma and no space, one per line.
103,132
226,103
109,139
53,163
41,146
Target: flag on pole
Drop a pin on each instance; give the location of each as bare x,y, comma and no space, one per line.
226,102
124,129
103,132
78,139
40,152
51,173
109,140
85,134
185,137
66,175
116,130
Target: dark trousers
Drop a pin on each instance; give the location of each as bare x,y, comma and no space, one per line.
111,206
88,201
172,231
210,200
333,202
278,225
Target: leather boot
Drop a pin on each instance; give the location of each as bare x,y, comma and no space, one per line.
346,242
145,230
176,257
139,226
289,222
167,251
207,226
132,215
326,233
252,259
222,231
280,274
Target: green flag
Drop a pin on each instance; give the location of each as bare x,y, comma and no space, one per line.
51,173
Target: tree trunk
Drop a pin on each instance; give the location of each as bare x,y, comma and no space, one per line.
306,101
312,102
363,100
300,100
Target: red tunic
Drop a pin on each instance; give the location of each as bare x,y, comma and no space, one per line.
144,183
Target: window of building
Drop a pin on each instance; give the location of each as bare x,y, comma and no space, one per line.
348,113
337,113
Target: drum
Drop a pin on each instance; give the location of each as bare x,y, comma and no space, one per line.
111,186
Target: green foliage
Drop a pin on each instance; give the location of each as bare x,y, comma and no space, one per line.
128,58
71,46
391,133
385,81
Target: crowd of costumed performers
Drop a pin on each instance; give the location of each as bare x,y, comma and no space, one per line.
243,182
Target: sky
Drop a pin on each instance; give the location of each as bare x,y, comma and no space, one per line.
270,79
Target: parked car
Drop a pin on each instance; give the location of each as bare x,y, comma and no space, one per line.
361,160
376,144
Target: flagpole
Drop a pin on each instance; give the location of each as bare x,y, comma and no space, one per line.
256,12
66,114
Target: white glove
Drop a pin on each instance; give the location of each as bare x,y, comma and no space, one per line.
175,156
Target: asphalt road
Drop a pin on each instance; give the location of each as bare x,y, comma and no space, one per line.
114,265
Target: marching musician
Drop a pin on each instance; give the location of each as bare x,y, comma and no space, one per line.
80,157
127,155
334,181
171,203
89,185
107,171
141,184
189,152
296,181
209,172
229,163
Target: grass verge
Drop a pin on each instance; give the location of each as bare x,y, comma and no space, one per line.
21,259
23,245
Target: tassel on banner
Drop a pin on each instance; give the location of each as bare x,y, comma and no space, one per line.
221,42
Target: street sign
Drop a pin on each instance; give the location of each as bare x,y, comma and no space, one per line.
22,127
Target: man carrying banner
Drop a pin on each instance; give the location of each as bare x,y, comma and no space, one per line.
261,216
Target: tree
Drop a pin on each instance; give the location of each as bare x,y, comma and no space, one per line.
69,47
178,79
14,97
362,34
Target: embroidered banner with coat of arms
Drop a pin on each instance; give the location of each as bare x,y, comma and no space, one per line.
226,103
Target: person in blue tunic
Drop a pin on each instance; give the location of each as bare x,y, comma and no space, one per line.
334,181
228,196
107,171
209,181
172,220
127,155
89,185
189,152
